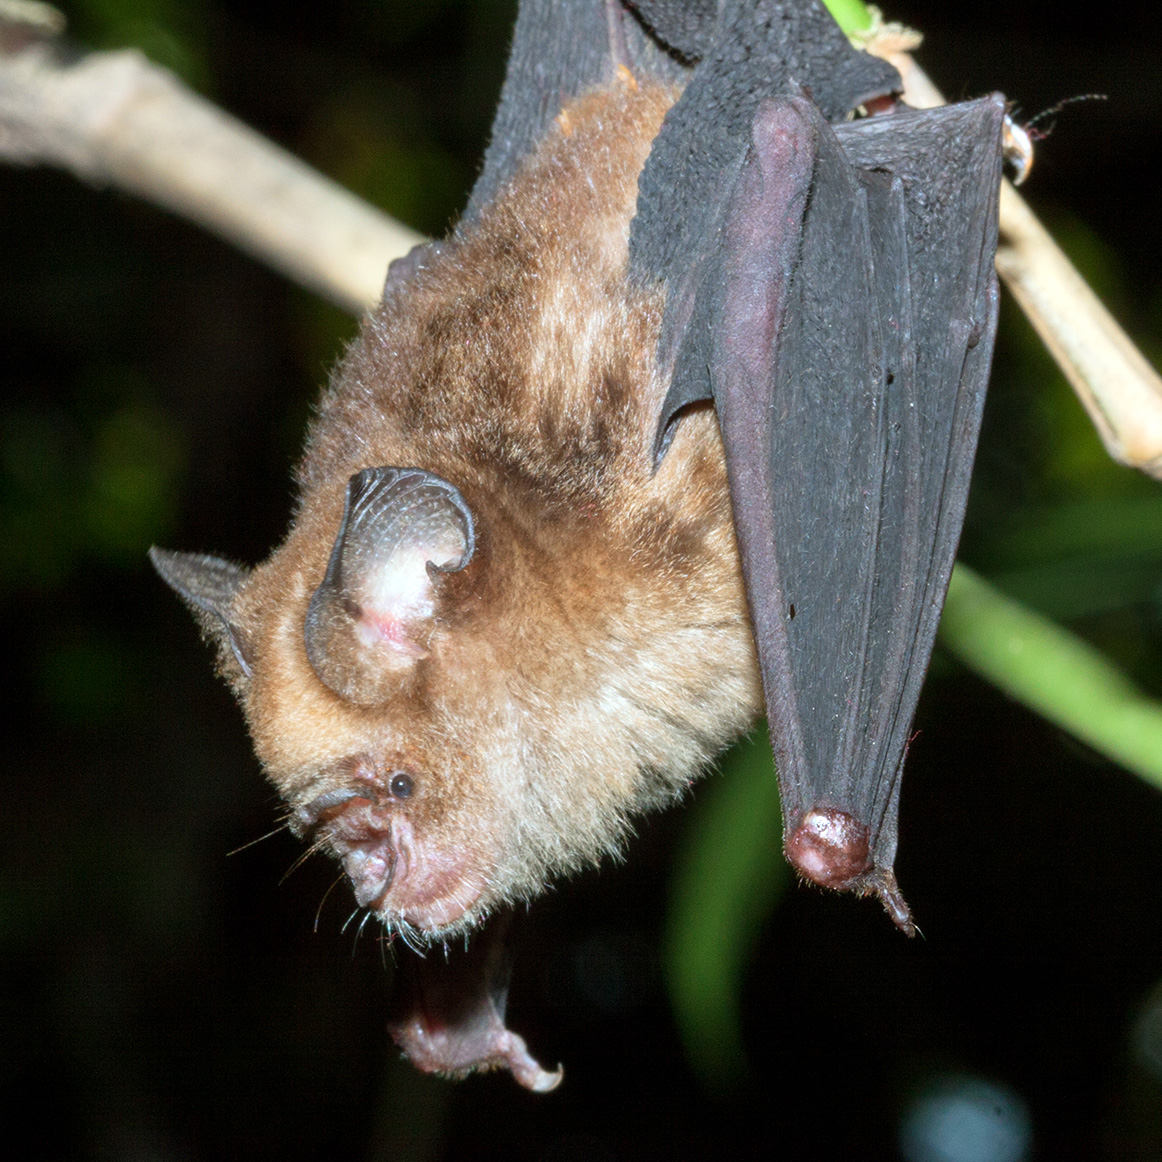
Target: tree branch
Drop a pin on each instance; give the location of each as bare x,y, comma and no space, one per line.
114,118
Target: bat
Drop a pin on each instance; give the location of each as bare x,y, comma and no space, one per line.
680,416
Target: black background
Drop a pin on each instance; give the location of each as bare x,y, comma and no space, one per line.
161,1000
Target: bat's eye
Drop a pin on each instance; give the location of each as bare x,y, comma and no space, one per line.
401,786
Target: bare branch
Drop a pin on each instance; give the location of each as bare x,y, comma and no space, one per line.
115,118
1120,390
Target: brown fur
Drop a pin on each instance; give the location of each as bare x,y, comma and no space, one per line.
596,652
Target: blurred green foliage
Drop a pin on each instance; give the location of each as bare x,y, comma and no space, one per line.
95,483
1054,672
88,675
359,139
171,32
730,873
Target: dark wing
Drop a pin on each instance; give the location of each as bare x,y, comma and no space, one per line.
837,302
757,51
843,313
560,48
933,182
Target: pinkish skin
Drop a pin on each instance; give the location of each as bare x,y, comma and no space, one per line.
383,630
389,870
830,848
450,1006
456,1049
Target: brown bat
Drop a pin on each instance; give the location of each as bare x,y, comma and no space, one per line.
511,611
466,673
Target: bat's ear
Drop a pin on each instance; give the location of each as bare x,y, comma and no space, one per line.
370,619
208,585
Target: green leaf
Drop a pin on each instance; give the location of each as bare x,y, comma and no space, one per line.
850,15
729,877
1053,672
731,873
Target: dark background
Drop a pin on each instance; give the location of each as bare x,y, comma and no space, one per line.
163,999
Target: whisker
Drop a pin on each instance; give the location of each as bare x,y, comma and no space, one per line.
319,912
280,827
317,846
408,935
359,932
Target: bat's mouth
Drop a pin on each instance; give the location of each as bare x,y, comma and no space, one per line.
436,916
391,870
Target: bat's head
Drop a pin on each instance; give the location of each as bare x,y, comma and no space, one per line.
459,709
367,695
355,695
497,629
462,690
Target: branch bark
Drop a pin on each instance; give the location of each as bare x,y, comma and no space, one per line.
116,119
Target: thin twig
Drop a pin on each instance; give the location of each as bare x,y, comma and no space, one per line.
115,118
1120,390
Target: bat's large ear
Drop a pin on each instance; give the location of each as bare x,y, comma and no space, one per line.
370,619
208,585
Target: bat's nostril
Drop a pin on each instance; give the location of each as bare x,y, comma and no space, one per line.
371,872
